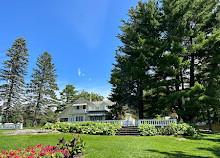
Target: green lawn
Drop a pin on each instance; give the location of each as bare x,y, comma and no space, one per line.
206,145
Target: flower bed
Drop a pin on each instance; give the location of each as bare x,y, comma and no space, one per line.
37,151
89,127
64,149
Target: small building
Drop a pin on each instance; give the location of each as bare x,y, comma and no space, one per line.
84,110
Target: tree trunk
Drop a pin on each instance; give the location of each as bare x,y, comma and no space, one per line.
182,82
9,103
192,69
209,120
36,111
141,105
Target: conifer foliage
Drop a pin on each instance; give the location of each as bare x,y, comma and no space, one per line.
169,59
43,85
13,73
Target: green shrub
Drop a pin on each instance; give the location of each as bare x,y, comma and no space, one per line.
147,130
181,129
88,127
172,129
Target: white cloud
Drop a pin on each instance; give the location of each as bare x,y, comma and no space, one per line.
79,72
90,79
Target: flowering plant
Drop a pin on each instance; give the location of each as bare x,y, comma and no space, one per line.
35,152
75,145
64,149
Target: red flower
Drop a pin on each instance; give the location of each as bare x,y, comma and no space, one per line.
78,135
4,152
66,153
42,154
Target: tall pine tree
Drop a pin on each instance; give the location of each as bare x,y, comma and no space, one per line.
43,85
170,55
141,39
13,74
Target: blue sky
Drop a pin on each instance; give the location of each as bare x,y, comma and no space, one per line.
79,34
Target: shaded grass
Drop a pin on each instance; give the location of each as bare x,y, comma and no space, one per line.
206,145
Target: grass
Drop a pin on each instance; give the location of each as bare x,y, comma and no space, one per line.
206,145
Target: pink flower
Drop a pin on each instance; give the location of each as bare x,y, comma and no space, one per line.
42,154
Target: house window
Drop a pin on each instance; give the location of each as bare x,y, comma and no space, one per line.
63,119
96,118
77,108
72,119
84,106
79,118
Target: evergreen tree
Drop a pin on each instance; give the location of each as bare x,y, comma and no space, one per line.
68,96
43,85
169,59
13,74
90,96
189,24
140,38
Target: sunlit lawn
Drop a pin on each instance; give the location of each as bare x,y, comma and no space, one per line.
206,145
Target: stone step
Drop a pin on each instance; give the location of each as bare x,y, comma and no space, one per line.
128,134
129,126
128,130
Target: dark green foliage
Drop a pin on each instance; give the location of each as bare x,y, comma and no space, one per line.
131,74
85,127
75,146
116,112
90,96
42,87
68,96
169,59
13,74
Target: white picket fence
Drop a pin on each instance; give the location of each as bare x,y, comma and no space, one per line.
157,122
11,126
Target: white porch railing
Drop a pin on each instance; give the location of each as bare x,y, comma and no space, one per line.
157,122
83,111
111,121
11,126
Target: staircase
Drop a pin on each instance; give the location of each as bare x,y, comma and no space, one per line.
128,131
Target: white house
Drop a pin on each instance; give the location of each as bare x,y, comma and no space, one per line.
84,110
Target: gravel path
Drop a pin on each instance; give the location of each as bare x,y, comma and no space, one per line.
31,132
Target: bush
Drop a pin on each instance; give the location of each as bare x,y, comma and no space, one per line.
172,129
88,127
181,129
147,130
